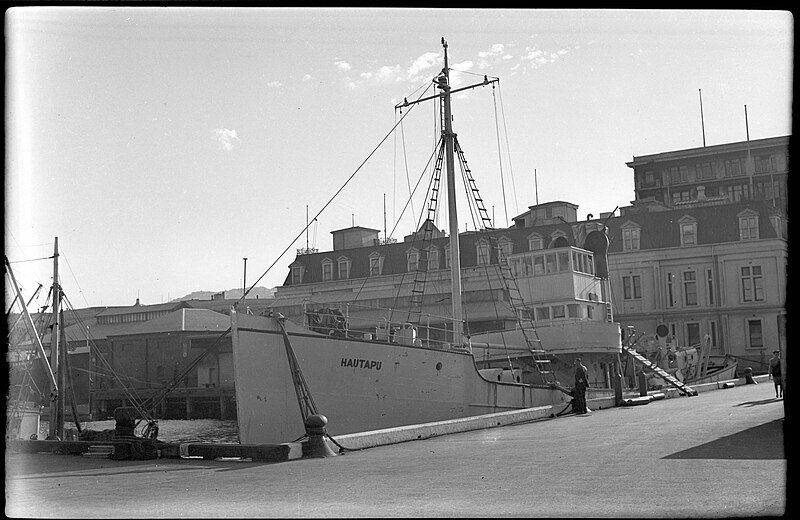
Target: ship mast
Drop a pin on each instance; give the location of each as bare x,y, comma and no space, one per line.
443,83
455,256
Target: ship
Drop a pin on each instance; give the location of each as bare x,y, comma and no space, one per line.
370,371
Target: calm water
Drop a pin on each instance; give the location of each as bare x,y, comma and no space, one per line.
170,430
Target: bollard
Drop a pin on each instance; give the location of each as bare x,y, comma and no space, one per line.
315,446
616,382
642,384
748,376
125,421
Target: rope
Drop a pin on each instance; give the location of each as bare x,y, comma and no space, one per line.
500,156
508,151
329,201
30,260
405,163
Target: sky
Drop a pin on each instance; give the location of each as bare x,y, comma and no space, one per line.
162,145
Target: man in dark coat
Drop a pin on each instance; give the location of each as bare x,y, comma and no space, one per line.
581,384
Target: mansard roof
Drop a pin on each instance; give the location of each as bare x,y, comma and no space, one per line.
715,224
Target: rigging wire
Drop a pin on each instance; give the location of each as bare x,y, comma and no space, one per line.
30,260
63,253
508,151
405,162
500,156
329,200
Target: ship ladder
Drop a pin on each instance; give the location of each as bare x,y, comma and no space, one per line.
660,372
540,358
421,273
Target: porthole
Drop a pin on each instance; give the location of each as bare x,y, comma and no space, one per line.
439,365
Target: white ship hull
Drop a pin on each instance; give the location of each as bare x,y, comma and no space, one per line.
359,385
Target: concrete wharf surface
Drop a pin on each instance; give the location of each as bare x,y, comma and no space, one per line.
718,454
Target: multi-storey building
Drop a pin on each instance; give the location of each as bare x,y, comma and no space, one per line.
749,170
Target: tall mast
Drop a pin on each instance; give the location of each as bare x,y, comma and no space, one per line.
455,256
56,407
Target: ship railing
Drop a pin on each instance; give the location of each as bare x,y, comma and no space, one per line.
379,324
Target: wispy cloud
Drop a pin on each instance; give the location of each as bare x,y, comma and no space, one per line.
342,65
307,77
424,62
226,138
274,84
537,57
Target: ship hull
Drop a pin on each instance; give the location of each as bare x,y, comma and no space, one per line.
359,385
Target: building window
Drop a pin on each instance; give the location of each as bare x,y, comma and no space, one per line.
447,257
690,288
535,243
704,171
505,247
375,265
538,265
755,337
344,268
297,274
670,292
433,259
712,330
681,196
572,310
692,334
327,270
589,311
412,258
632,287
563,260
752,284
542,313
710,286
748,227
558,311
550,263
734,168
766,163
738,192
483,253
630,239
688,234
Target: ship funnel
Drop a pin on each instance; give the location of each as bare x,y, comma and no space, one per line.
597,242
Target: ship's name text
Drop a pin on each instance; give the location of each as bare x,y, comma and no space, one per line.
361,363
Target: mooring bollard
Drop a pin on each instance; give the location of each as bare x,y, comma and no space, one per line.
315,446
642,383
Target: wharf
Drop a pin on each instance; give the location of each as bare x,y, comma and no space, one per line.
717,454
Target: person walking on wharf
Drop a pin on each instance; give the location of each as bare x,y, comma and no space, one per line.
581,384
775,372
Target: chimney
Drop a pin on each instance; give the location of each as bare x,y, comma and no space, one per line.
701,193
137,303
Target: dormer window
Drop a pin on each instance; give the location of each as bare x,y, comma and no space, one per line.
748,225
505,247
484,255
412,260
327,270
535,242
433,258
375,264
344,267
630,236
297,274
688,230
558,239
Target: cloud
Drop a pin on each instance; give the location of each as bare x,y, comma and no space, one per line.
507,57
538,57
342,65
274,84
496,49
226,138
307,77
426,61
464,65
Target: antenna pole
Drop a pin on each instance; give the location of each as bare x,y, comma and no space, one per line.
536,186
306,227
56,406
750,169
702,123
244,278
384,218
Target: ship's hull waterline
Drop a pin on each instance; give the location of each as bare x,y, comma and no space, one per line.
359,385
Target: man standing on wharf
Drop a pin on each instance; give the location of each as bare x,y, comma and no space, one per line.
775,372
581,383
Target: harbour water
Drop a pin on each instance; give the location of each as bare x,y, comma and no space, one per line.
170,430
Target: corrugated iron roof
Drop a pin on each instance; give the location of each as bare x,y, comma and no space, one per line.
186,319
